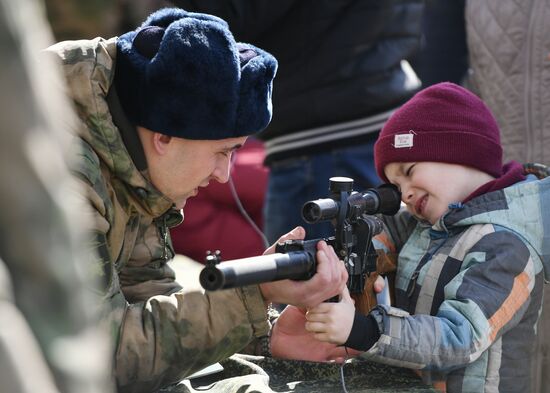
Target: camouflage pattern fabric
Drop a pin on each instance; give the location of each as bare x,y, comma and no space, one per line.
248,374
50,340
162,333
78,19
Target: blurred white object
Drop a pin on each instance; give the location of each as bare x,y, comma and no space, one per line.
384,296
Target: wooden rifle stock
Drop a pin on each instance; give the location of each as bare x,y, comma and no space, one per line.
386,264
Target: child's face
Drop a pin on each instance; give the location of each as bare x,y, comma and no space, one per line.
427,188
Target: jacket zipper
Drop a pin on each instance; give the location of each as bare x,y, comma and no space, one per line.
412,282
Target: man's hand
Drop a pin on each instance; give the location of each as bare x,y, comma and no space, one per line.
332,322
329,280
290,340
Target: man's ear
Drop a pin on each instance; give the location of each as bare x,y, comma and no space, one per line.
161,142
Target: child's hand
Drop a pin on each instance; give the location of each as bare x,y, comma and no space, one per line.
290,340
332,322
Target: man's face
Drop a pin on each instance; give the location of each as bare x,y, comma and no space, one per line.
427,188
186,165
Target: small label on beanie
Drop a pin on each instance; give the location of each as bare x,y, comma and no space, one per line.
403,140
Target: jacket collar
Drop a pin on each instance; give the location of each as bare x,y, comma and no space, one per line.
89,66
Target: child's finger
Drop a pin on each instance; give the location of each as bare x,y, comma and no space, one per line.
319,309
322,337
315,327
316,316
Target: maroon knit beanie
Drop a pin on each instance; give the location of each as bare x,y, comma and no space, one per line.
442,123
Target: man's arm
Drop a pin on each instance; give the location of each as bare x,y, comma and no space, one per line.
166,338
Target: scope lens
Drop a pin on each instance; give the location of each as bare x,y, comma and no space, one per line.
319,210
311,212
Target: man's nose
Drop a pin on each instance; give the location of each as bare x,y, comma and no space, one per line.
222,170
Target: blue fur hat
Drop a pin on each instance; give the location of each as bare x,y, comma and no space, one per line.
182,74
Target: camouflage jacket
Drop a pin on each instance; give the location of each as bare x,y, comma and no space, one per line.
162,333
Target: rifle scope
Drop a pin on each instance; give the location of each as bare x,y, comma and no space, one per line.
385,199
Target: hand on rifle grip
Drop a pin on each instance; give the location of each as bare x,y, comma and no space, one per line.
375,283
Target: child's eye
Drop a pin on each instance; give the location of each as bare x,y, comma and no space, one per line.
409,170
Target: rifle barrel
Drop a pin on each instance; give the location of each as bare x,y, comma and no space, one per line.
295,265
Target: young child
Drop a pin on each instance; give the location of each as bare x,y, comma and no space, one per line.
472,243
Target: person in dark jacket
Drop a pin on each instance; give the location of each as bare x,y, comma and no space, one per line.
443,53
342,72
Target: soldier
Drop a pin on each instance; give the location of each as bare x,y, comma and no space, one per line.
162,108
50,340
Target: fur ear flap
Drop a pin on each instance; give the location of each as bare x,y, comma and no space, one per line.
197,85
255,91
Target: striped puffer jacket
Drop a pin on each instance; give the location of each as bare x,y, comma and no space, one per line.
468,291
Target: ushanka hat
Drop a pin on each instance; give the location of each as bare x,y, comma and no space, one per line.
442,123
182,74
